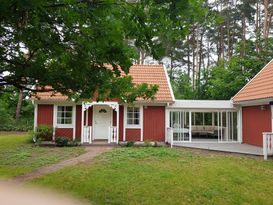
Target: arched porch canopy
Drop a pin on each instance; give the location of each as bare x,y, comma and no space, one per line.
87,131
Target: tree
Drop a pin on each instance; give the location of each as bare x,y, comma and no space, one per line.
66,44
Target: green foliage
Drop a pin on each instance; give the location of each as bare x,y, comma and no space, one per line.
8,102
182,87
223,81
43,133
66,142
62,141
148,143
67,43
130,144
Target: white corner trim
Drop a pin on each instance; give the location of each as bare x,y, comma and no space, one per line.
169,82
117,122
252,79
74,121
124,129
54,121
141,123
35,116
82,123
167,122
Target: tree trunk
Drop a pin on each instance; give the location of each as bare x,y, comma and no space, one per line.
19,105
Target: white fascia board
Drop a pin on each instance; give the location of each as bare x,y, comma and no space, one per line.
202,104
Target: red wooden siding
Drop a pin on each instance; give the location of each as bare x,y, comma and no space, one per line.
90,116
133,134
121,115
64,132
154,123
255,122
45,115
114,118
78,121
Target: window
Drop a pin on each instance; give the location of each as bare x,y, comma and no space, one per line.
133,116
64,115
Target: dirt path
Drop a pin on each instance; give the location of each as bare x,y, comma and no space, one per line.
91,152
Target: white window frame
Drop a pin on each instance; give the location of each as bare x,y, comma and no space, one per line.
72,117
140,117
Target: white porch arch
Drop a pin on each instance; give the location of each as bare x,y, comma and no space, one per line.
87,131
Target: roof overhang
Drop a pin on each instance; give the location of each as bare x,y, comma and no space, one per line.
203,105
263,101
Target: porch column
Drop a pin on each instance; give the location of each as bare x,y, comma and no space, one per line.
117,110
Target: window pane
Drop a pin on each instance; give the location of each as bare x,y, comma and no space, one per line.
60,108
59,114
129,115
59,120
68,108
129,121
136,121
136,115
68,114
68,121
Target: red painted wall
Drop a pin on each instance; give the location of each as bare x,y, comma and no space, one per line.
64,132
255,122
90,116
45,115
133,134
121,115
154,123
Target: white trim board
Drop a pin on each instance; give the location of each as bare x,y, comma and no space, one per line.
202,104
169,82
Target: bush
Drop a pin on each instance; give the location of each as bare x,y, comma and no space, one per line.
66,142
73,143
62,141
43,133
130,144
148,143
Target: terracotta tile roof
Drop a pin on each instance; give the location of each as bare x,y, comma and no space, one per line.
260,87
150,74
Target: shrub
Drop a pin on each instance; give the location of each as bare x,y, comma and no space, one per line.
66,142
42,133
73,143
62,141
148,143
130,144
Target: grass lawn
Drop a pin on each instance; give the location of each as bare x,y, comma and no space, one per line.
167,176
18,155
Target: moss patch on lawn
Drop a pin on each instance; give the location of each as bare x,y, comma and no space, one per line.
166,176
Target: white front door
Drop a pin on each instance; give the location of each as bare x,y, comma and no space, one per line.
102,121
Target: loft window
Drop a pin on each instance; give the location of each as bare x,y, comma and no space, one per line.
64,115
133,116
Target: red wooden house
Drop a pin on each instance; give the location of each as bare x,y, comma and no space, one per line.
256,102
243,119
88,121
